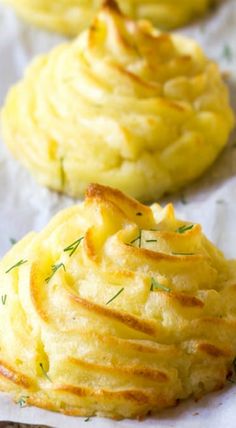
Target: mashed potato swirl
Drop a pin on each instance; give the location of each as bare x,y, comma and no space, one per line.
123,105
71,16
115,309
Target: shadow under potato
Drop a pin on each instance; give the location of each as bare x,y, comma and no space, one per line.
7,424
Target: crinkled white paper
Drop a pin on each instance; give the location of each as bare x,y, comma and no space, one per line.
211,201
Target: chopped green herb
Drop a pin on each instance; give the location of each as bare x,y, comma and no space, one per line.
23,400
202,27
13,241
155,285
62,173
21,262
116,295
44,372
4,299
227,52
184,228
139,239
73,247
183,254
54,270
87,419
151,240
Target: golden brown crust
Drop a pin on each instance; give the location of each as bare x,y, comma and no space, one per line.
14,376
155,375
213,351
105,193
126,319
126,395
188,301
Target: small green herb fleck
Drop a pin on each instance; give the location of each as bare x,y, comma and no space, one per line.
227,52
155,285
151,240
139,239
73,247
23,400
87,419
62,173
13,241
202,27
54,270
4,299
184,228
116,295
183,254
44,372
21,262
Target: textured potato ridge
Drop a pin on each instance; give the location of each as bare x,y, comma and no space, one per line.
123,105
115,309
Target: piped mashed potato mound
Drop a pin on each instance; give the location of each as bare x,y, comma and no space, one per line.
71,16
115,309
123,105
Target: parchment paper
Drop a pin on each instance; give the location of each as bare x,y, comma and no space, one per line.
211,201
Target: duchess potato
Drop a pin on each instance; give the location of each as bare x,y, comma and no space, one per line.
115,309
71,16
123,105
